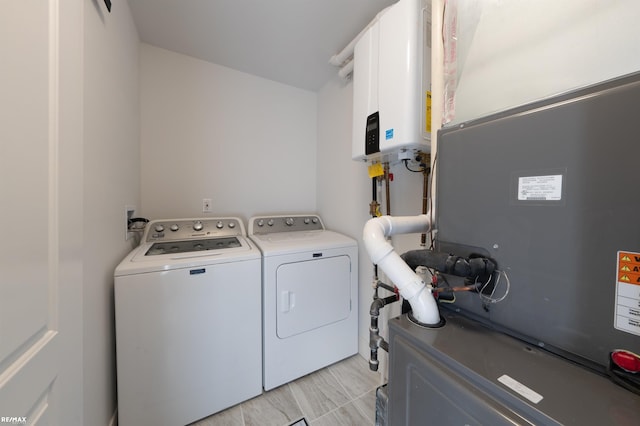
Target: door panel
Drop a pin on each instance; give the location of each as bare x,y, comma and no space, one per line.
312,294
25,167
30,163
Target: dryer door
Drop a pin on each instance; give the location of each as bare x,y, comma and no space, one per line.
312,294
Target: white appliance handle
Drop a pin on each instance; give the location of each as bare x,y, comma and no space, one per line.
287,301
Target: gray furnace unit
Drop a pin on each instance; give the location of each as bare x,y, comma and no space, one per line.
548,191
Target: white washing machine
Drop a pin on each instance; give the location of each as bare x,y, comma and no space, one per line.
188,322
309,296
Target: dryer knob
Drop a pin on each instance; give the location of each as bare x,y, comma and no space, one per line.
260,222
159,228
219,225
314,220
289,221
174,227
232,225
307,220
270,223
197,226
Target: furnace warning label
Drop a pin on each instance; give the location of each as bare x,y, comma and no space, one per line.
627,317
540,188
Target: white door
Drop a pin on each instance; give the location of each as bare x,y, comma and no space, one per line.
40,212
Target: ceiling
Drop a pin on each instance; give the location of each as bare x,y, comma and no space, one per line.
288,41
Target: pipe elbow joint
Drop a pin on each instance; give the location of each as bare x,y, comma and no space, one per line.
409,284
425,308
376,305
377,230
374,235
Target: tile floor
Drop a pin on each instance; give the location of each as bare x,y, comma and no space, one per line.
341,394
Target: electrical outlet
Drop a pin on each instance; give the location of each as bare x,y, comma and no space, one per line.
206,205
128,214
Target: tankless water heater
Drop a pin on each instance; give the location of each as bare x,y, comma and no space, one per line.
391,84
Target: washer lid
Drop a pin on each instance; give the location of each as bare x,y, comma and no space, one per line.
169,251
138,261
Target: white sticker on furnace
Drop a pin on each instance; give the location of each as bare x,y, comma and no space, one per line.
518,387
540,188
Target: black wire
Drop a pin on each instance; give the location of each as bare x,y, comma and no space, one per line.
433,172
406,164
444,280
139,219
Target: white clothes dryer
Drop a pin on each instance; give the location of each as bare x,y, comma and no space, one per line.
188,322
309,295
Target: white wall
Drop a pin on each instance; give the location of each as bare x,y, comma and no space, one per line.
513,52
111,181
344,190
208,131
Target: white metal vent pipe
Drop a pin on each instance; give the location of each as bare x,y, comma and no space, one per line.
346,70
382,253
340,59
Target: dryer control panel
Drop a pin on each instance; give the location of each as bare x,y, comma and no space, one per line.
286,223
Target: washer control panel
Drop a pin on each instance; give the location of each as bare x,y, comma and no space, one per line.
284,223
186,229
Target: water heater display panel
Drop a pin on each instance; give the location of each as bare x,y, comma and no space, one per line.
372,140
